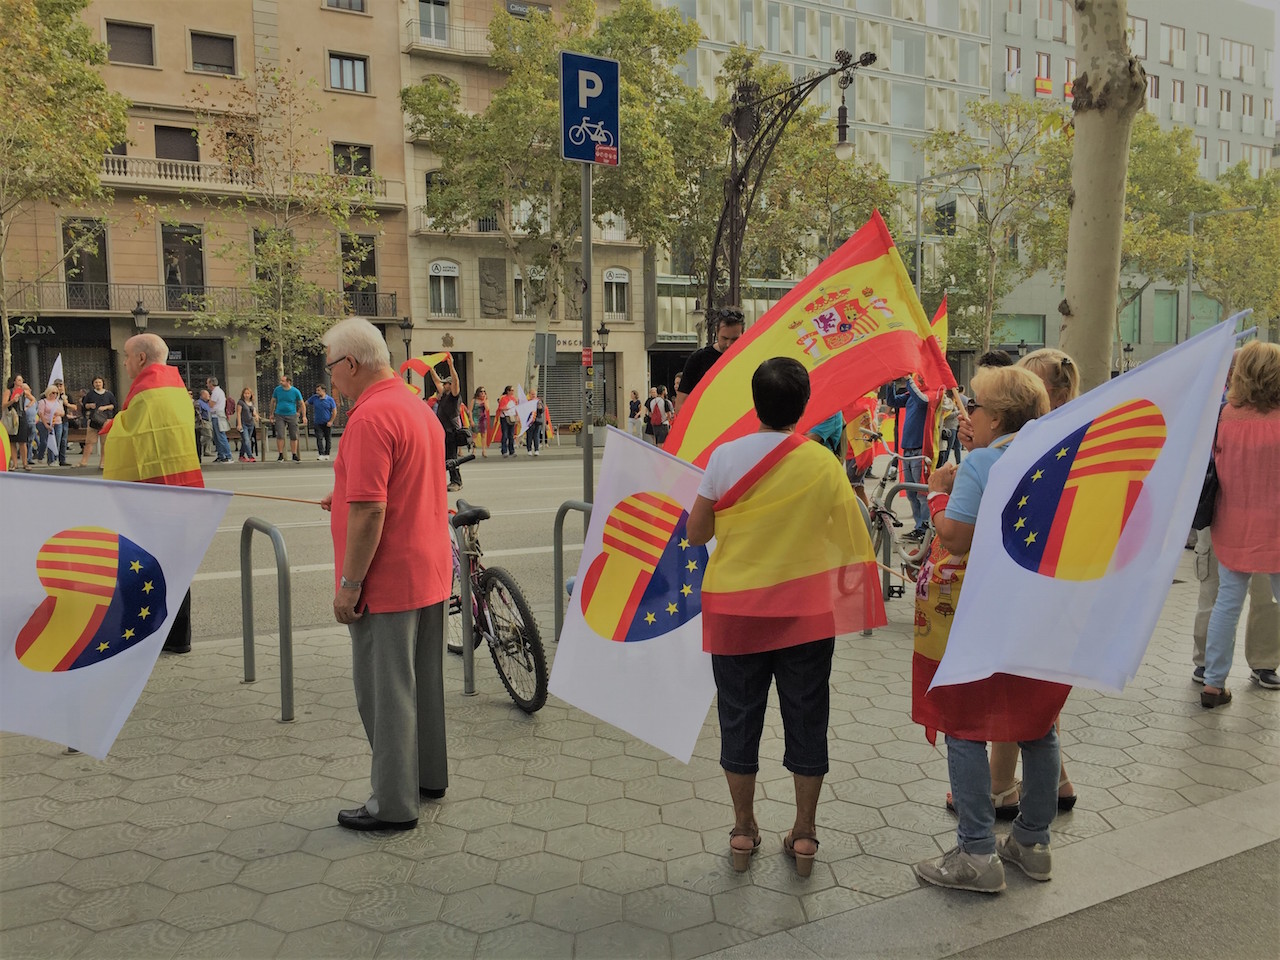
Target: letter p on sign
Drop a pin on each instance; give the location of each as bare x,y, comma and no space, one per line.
589,85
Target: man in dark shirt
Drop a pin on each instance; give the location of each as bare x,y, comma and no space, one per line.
447,391
728,329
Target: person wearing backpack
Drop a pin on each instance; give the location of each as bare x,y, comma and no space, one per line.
660,411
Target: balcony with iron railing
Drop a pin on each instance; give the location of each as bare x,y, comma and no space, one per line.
428,38
221,178
44,297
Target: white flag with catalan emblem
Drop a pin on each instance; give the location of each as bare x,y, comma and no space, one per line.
89,591
630,651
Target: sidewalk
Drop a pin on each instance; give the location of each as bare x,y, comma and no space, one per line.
210,830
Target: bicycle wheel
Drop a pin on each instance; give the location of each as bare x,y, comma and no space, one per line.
513,639
453,622
577,135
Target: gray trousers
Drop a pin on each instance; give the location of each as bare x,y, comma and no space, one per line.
398,669
1262,626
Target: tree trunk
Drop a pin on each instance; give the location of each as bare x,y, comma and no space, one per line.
989,305
1108,94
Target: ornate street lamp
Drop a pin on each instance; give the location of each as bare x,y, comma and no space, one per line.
602,333
140,314
406,330
1022,348
756,122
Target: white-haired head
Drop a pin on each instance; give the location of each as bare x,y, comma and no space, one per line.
358,339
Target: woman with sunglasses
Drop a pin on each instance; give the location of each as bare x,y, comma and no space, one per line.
1004,400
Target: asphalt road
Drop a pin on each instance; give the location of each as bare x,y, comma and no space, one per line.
523,496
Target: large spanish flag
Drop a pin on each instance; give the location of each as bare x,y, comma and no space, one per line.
152,438
793,561
855,323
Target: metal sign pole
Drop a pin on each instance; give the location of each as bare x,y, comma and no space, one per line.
588,480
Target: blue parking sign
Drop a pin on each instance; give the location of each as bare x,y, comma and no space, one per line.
588,108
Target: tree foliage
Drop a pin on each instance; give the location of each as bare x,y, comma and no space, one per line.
57,122
505,162
1237,254
1162,189
1004,140
295,210
962,277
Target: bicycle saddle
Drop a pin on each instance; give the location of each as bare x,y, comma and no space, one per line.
467,515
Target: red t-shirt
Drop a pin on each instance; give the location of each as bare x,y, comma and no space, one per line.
392,452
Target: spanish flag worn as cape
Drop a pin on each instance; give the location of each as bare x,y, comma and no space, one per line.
855,323
151,439
793,561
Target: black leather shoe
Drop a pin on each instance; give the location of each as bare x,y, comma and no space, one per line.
361,819
174,648
428,793
1211,700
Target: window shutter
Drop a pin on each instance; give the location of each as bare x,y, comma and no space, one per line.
130,43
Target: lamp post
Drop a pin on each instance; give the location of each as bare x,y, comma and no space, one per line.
756,122
406,331
1128,357
920,182
1022,348
602,333
1191,239
140,314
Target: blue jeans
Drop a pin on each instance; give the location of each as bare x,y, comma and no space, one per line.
533,436
247,445
43,433
60,436
1220,645
508,437
913,472
220,440
971,792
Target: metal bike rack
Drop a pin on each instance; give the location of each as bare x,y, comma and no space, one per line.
886,548
866,518
466,612
285,593
557,552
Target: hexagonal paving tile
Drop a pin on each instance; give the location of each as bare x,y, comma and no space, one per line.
110,870
661,841
622,939
39,903
577,908
874,876
588,790
302,907
658,789
668,909
539,872
428,940
453,872
486,908
368,871
395,906
504,841
708,938
525,940
120,906
548,813
211,907
473,814
339,939
623,814
52,938
283,872
517,789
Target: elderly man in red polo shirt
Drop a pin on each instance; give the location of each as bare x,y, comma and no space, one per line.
393,573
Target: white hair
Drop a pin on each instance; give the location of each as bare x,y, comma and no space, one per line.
360,340
149,345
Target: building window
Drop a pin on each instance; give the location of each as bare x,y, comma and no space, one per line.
800,31
1043,60
1241,54
826,39
616,282
360,274
352,159
1012,60
747,22
1153,87
1267,109
908,52
1202,44
1202,148
433,20
1015,6
1165,322
348,73
442,285
1179,91
907,105
1138,37
1257,158
84,248
1246,104
1071,70
131,43
1130,318
213,54
773,26
1171,39
356,5
1224,101
182,248
1202,95
1068,32
1224,151
177,143
523,299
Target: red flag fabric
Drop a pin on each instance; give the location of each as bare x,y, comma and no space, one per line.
855,323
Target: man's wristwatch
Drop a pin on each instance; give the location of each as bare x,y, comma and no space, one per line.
350,584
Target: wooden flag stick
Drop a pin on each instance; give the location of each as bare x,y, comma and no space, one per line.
893,573
267,496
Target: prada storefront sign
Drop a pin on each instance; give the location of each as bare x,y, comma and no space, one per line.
66,328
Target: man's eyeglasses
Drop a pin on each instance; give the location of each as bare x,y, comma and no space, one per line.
971,405
333,363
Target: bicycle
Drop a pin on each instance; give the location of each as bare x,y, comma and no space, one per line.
500,614
883,523
579,133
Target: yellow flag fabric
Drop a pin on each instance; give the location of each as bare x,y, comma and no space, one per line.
152,438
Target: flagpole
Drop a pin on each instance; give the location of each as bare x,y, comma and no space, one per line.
267,496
